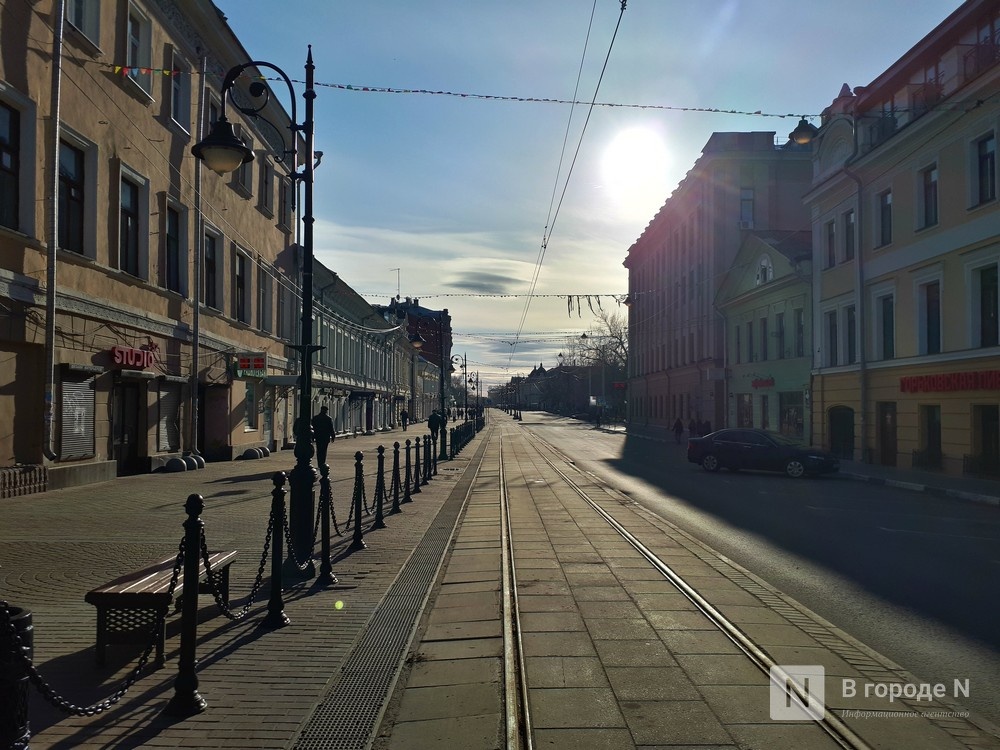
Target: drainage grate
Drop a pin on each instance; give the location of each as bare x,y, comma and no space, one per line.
348,716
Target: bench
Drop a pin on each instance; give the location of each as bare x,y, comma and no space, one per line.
128,607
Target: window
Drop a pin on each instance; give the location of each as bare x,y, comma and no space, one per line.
286,203
750,353
849,239
212,272
831,244
264,293
746,207
928,189
241,288
71,191
180,92
85,16
266,188
765,271
986,169
850,324
128,228
885,334
831,337
138,49
243,176
800,332
930,324
172,250
763,339
989,301
779,332
884,218
10,166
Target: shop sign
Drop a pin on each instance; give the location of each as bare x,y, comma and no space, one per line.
982,380
252,365
126,356
762,383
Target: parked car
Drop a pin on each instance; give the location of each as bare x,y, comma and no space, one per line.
737,449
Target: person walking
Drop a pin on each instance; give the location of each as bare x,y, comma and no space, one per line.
434,423
405,417
323,433
678,430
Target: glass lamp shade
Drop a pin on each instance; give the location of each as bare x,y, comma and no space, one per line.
222,151
804,132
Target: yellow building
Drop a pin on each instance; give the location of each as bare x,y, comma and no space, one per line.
906,253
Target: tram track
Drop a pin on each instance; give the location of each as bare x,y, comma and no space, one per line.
516,683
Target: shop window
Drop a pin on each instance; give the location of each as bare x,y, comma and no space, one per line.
10,166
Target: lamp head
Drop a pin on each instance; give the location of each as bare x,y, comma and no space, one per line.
221,150
804,132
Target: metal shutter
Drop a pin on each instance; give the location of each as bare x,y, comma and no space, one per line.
78,399
168,429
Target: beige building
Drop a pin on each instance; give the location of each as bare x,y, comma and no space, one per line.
906,242
148,306
677,339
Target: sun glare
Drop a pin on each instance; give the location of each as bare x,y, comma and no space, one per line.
634,168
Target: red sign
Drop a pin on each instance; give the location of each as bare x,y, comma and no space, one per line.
127,356
982,380
252,362
618,385
763,383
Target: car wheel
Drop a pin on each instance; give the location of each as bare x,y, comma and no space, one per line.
710,462
795,468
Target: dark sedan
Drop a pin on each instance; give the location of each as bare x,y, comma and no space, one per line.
760,450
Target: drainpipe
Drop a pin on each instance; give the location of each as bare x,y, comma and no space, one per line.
859,285
199,249
53,238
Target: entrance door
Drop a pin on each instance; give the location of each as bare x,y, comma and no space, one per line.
126,428
887,432
842,432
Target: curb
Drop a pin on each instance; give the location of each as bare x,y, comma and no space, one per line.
972,497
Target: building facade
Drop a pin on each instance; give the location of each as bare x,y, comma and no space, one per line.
677,341
906,241
765,301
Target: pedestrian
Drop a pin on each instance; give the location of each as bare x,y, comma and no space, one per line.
324,434
405,417
693,428
434,422
678,429
706,428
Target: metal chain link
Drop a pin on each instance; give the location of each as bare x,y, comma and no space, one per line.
291,547
210,576
51,695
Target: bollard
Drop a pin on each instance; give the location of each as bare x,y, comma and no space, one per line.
453,442
395,480
187,701
379,489
426,469
359,490
16,644
276,617
326,576
434,455
417,466
406,484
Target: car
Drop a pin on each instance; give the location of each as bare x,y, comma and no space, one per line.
759,450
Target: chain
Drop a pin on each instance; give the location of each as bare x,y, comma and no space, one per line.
49,693
210,576
291,547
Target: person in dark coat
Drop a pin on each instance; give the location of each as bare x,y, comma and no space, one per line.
678,430
405,416
434,423
323,433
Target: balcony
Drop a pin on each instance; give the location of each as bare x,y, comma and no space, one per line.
979,58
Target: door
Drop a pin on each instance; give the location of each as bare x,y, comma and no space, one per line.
842,432
126,428
887,432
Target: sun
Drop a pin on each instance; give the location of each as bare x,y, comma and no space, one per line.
634,168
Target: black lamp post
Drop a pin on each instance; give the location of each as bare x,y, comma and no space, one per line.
223,152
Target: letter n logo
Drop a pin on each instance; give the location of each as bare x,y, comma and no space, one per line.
797,692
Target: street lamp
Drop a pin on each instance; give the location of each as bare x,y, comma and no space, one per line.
223,152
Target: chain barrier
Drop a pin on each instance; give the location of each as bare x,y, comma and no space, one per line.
210,576
291,547
51,695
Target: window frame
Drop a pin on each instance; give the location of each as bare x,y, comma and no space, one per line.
11,158
141,216
928,191
242,285
85,17
849,220
211,291
180,252
179,90
983,170
883,212
883,347
65,198
139,49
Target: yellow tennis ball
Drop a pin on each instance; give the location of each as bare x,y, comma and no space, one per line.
339,604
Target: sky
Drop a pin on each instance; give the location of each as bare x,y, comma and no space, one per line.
474,199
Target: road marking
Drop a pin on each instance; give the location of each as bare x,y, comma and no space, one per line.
935,533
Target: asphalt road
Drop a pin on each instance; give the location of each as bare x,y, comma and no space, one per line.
912,576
